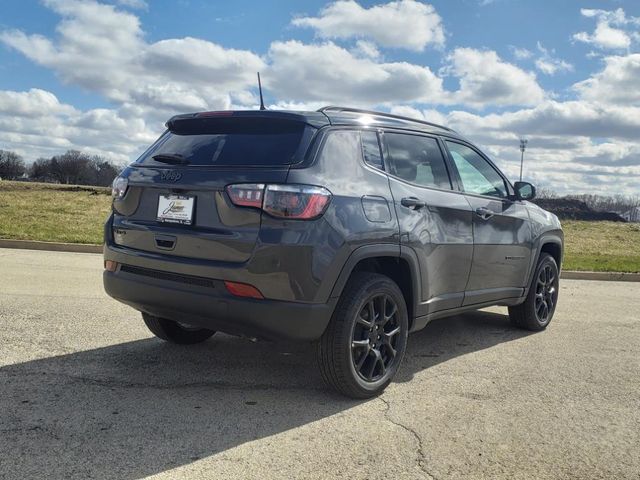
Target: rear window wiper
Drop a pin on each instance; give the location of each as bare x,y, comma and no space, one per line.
172,158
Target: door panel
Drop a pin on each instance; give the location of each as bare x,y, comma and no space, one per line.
501,251
501,229
435,222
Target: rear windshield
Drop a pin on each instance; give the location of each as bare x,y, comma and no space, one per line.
229,142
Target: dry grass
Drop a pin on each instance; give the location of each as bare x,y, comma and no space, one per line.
64,213
56,213
602,246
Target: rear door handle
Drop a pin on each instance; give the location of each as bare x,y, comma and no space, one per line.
484,213
165,242
412,202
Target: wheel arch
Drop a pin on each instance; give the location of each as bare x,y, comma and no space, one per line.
401,265
551,243
553,248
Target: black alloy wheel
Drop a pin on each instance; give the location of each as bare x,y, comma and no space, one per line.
546,294
374,342
365,341
537,310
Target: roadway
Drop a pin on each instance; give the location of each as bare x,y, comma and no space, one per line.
86,392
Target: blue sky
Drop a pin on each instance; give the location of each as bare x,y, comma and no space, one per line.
105,75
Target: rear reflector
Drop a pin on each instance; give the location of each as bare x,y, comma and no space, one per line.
110,265
243,290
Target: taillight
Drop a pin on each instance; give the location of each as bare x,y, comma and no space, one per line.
298,202
246,194
119,187
295,201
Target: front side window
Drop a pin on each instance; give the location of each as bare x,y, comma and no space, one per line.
477,175
417,159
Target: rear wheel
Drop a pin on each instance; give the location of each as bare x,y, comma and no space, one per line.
363,346
537,310
176,332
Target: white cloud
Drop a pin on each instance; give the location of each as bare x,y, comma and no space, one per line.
430,115
606,35
137,4
366,49
521,53
102,49
301,72
404,23
485,79
552,118
33,103
548,64
616,83
36,123
562,154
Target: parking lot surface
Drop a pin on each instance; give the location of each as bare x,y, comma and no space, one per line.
86,392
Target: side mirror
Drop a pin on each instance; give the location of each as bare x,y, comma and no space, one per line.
524,191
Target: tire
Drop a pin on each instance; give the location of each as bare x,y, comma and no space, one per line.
175,332
351,345
537,310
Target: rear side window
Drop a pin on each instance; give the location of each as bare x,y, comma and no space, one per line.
417,159
371,149
230,142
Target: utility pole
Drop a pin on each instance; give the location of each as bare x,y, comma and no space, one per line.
523,147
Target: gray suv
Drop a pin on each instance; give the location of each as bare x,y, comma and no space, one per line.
341,227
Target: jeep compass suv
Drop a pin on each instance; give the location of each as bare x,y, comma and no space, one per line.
342,227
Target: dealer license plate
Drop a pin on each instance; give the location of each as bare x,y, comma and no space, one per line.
175,209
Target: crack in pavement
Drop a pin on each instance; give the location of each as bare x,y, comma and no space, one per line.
420,450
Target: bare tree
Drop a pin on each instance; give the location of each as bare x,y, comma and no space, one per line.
104,171
71,167
40,170
11,165
617,203
545,193
74,167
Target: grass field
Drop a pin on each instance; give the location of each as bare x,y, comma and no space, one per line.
55,213
602,246
61,213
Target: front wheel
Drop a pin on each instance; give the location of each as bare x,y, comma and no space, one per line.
175,332
363,346
537,310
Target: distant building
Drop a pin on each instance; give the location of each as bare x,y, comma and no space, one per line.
632,215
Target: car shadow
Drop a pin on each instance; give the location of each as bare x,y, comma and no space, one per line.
143,407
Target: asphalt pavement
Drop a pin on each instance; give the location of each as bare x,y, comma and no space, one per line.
87,392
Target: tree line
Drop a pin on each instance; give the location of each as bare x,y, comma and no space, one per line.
72,167
618,203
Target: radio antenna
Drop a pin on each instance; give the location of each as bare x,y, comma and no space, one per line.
260,88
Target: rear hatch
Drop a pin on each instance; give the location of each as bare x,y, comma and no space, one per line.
175,202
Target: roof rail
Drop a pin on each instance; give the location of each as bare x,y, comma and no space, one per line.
383,114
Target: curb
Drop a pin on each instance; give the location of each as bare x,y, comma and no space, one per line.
602,276
51,246
91,248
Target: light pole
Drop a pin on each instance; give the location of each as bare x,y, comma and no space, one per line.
523,147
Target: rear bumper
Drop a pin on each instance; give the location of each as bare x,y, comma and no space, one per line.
207,304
